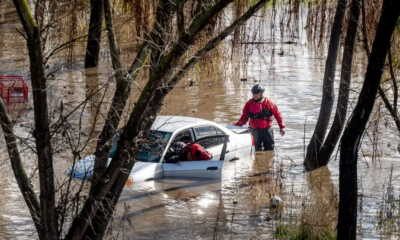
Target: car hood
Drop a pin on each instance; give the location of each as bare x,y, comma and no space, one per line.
83,169
141,171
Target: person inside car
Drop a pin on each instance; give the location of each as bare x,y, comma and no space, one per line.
179,151
174,152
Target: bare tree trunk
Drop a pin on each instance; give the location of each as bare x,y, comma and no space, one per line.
120,99
364,28
327,89
115,59
41,133
345,80
39,13
16,163
393,112
159,36
180,17
392,109
347,220
159,93
131,139
94,35
42,136
124,87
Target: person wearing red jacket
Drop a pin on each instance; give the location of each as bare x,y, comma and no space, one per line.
179,151
260,111
195,152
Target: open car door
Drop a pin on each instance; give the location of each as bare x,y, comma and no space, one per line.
198,169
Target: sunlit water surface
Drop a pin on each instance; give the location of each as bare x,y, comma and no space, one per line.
195,208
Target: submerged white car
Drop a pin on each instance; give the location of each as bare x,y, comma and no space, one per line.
226,143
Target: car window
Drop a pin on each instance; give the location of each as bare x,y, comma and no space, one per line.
153,148
208,131
177,145
183,137
220,132
205,131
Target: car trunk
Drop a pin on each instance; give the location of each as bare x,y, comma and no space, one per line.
237,129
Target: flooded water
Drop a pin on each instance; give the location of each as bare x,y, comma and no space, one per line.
202,209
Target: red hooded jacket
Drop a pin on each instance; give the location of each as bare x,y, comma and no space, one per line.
260,114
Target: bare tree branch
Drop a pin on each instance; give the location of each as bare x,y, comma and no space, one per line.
20,175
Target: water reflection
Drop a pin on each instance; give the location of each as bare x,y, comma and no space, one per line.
170,208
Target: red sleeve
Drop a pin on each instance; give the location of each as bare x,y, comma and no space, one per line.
243,119
199,153
274,110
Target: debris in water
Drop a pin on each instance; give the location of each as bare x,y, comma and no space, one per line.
191,82
275,202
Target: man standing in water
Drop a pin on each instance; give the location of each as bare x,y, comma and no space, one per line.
260,110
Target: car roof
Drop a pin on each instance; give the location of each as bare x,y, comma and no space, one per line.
172,123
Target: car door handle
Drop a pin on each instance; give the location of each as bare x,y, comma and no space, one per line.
212,168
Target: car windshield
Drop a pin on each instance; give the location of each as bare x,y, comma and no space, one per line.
153,148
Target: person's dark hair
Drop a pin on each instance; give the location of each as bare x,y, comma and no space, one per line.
257,89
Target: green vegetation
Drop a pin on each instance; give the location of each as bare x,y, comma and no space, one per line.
303,232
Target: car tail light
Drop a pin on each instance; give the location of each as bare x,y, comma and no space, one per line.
252,140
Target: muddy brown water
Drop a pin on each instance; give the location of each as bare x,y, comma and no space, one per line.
195,208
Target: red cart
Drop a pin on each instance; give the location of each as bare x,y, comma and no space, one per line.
13,89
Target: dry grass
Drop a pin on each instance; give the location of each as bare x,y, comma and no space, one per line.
310,215
315,216
388,215
264,183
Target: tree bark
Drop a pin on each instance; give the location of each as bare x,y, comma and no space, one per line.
19,172
180,17
159,36
124,81
153,109
345,80
131,139
115,59
347,220
394,113
49,218
121,95
392,109
327,89
94,35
